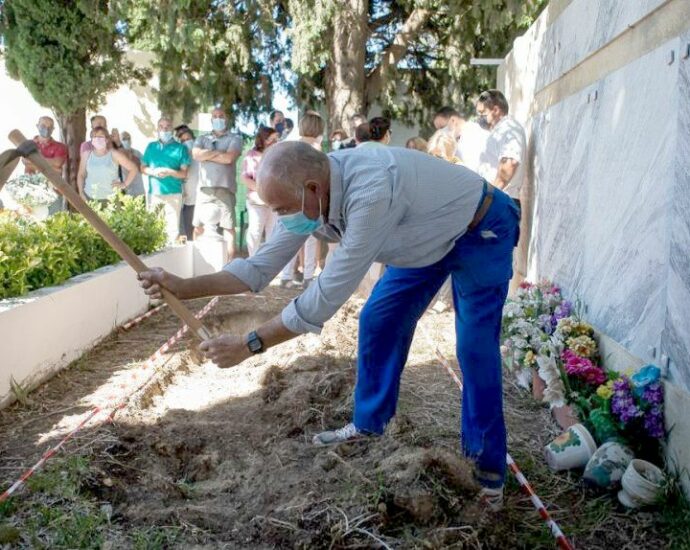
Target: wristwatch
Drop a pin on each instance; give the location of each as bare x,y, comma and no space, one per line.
254,343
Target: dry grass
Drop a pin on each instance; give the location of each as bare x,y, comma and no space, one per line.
240,472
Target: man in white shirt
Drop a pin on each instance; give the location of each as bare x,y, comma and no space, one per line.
470,138
503,161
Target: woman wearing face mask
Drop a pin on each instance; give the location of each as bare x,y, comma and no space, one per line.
261,217
186,137
97,178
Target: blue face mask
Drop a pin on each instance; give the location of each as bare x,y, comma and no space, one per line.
165,137
280,127
299,222
44,131
218,124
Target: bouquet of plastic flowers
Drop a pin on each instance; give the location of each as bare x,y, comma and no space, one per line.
31,190
629,408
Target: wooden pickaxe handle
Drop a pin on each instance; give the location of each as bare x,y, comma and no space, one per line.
124,251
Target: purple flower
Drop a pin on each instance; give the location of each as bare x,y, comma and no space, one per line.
561,312
654,394
545,323
623,403
564,310
654,422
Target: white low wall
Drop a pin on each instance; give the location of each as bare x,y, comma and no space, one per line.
44,331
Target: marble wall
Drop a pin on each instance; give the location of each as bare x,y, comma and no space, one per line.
609,183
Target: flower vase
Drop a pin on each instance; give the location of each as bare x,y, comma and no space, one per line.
538,386
564,416
572,449
607,465
642,484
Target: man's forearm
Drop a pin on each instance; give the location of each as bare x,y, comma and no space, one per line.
226,157
57,163
499,183
274,332
205,154
215,284
504,174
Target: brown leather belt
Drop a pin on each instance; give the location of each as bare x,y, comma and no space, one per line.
483,207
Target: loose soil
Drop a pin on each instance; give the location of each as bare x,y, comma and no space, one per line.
223,458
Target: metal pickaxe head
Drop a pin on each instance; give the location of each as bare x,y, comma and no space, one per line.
8,162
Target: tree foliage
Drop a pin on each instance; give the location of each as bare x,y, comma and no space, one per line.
209,51
68,54
418,52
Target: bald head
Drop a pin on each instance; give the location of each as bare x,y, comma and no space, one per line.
286,170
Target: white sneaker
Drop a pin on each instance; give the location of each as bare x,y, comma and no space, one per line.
346,433
492,498
289,284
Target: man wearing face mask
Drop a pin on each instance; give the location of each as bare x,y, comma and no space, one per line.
53,151
470,137
136,189
423,217
502,162
165,162
217,154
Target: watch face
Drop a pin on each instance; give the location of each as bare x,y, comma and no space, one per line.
254,343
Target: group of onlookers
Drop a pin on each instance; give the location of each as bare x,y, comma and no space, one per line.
193,179
494,146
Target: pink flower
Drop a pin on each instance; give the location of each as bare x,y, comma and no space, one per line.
582,368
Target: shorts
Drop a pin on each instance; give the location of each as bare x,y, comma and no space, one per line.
220,200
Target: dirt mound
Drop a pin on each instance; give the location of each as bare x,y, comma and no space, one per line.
427,485
313,392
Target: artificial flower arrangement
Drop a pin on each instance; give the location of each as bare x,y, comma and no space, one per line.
628,408
528,321
31,190
541,333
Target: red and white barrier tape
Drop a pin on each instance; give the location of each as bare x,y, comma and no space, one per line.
561,539
133,322
150,362
49,453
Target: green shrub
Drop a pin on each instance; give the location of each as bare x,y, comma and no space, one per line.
35,255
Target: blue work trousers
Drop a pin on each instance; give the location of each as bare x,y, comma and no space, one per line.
480,265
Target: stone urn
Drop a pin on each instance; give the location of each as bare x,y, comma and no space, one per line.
572,449
642,484
607,465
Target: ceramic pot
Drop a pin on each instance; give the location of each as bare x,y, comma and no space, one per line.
572,449
564,416
642,484
538,386
607,465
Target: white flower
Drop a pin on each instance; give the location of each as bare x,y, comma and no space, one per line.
554,393
31,190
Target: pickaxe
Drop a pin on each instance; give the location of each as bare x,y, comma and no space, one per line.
27,148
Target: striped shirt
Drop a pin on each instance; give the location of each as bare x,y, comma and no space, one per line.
387,204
